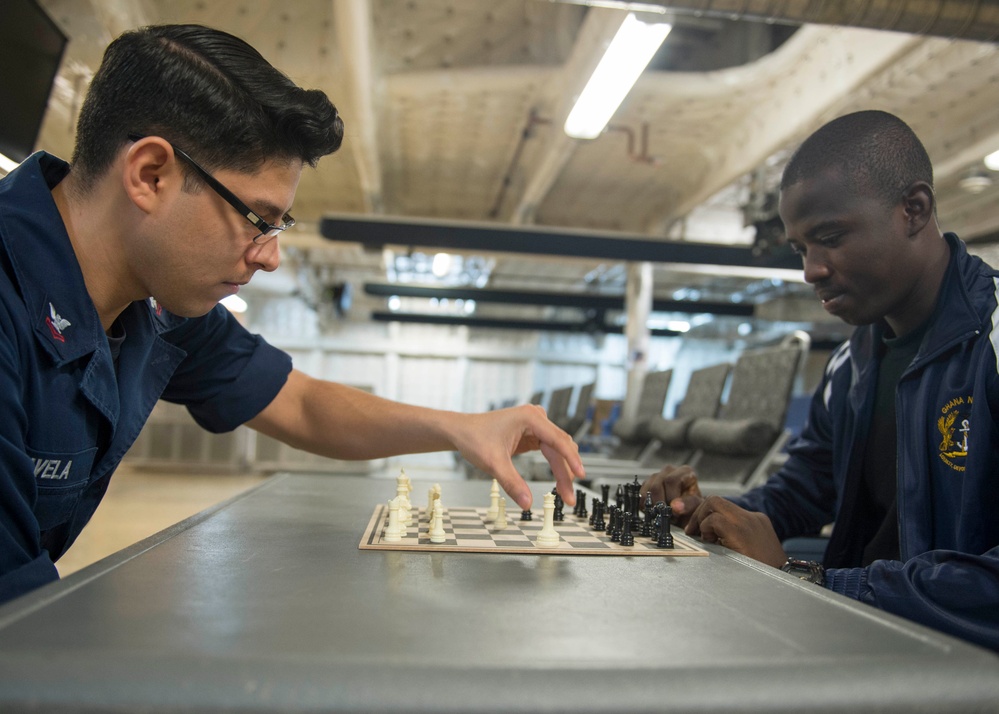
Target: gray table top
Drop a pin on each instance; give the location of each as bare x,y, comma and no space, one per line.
266,604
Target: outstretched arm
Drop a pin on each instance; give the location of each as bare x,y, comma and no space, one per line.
345,423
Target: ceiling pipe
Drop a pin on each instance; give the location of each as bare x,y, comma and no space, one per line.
584,301
956,19
376,232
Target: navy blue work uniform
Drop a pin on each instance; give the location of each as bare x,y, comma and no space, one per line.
70,408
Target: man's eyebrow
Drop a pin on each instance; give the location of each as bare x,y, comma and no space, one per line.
267,210
822,226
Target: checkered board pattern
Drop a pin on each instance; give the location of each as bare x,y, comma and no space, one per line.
467,531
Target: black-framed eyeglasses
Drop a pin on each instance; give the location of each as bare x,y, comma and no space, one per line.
267,230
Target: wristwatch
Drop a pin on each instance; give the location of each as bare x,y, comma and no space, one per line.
806,570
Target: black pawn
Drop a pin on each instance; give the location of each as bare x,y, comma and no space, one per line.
581,505
665,539
615,524
526,515
598,517
559,505
647,523
627,538
593,516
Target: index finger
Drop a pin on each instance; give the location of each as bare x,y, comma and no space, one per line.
709,505
671,483
562,454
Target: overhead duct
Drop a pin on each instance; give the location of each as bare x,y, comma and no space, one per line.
958,19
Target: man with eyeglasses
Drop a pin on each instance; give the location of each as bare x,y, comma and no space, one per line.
189,151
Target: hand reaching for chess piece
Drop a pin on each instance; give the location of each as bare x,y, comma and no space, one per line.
676,486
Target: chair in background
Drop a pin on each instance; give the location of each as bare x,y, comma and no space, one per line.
669,444
558,404
734,450
632,434
578,422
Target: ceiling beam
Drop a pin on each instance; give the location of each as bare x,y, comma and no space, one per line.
577,300
374,233
803,91
354,38
595,34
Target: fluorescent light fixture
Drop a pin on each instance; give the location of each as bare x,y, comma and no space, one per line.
992,161
441,265
7,164
234,303
626,58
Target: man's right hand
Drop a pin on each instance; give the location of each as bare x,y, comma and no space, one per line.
677,486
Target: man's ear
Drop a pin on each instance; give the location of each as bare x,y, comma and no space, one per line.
150,173
919,204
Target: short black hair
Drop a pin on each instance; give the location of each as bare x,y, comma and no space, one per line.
208,92
877,150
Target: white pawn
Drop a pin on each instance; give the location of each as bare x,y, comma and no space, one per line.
433,495
501,515
437,534
394,532
548,536
494,495
402,495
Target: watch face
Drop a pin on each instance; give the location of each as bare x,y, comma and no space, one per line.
806,570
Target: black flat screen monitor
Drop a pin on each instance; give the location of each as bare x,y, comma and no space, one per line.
31,48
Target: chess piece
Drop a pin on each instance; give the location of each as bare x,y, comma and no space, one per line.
526,515
647,523
437,534
433,495
605,493
627,538
598,517
614,530
494,496
394,532
665,538
402,493
548,537
581,504
501,515
559,505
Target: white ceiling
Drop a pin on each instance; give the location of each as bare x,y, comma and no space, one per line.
453,110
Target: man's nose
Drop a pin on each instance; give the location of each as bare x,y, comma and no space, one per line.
815,266
266,255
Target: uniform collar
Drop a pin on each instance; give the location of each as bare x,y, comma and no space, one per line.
32,233
955,316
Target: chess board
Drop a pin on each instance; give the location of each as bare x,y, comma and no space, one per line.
467,531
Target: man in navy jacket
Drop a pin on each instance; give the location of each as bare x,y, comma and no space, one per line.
189,151
901,447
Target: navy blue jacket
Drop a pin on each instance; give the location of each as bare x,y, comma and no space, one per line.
69,413
947,407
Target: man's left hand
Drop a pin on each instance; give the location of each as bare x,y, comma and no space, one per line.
720,521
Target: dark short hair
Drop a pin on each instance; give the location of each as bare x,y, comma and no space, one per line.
877,150
207,91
